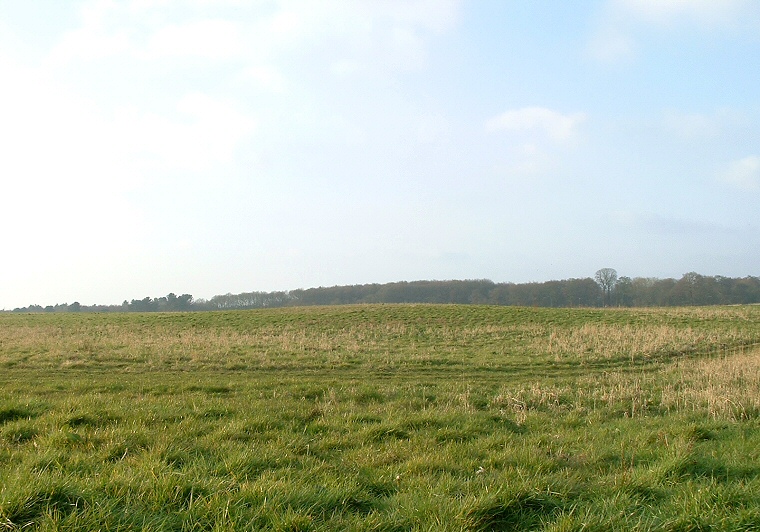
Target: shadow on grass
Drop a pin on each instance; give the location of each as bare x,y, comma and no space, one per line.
522,511
381,434
707,467
9,414
324,503
20,435
96,420
26,511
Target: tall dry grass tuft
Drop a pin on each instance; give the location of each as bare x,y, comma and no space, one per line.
723,387
633,342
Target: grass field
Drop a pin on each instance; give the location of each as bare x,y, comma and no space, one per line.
387,418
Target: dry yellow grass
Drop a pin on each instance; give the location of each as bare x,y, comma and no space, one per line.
189,342
723,387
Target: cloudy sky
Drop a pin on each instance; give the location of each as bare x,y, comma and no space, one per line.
214,146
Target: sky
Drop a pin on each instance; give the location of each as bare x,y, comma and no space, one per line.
216,146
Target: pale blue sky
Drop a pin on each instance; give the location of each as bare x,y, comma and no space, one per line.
205,147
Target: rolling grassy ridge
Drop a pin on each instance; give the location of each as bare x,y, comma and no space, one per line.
387,417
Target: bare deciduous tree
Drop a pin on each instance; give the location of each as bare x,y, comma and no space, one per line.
606,278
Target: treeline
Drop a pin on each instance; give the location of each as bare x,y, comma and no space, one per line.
168,303
606,289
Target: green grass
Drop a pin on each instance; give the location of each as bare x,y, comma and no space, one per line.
387,417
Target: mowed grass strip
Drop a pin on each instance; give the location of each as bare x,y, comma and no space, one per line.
407,417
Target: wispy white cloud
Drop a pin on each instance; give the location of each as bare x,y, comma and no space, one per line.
205,133
374,39
611,45
691,125
71,168
535,136
621,22
666,225
270,45
723,123
703,12
363,37
266,77
213,39
538,120
94,39
743,174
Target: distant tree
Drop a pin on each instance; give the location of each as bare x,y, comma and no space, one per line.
708,291
75,307
184,302
201,304
662,292
146,304
688,286
606,279
624,291
581,292
746,290
161,304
